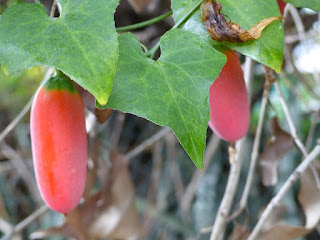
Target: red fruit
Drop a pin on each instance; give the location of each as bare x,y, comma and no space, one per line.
282,5
229,102
59,143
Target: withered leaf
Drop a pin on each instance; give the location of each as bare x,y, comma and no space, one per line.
221,28
239,232
283,232
280,143
309,197
102,115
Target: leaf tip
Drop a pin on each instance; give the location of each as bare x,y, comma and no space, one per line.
199,165
102,100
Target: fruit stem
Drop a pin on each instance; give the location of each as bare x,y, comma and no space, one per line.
145,23
182,20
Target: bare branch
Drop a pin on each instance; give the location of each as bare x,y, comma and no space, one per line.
283,191
174,168
312,129
53,8
23,112
147,143
15,121
22,168
293,130
188,195
294,134
255,150
116,133
24,223
5,226
233,180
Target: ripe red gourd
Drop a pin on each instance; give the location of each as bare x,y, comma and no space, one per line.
59,143
281,5
229,102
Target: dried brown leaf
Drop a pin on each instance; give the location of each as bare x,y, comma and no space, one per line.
102,115
309,197
284,232
221,28
278,146
239,232
121,215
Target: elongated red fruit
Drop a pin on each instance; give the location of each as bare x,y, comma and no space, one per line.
281,5
229,102
59,143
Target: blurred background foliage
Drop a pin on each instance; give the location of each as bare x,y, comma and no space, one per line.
161,173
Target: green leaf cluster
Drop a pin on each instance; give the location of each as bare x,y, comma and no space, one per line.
268,49
172,91
82,42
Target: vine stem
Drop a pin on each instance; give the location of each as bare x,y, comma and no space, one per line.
283,191
145,23
157,45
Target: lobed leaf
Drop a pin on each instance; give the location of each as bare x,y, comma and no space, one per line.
172,91
82,42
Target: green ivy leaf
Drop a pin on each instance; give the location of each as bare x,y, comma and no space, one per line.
82,42
172,91
268,49
312,4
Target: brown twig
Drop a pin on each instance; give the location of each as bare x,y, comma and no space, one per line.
147,143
